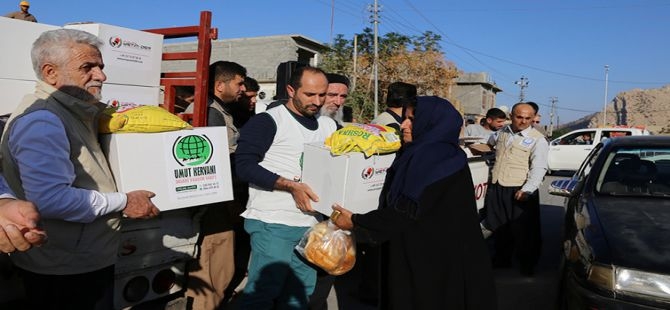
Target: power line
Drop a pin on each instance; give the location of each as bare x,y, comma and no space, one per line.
469,51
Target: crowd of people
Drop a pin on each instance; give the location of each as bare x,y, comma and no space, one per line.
424,246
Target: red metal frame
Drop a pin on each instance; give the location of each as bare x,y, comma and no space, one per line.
198,78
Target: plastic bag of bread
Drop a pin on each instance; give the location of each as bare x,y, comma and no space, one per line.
138,118
369,139
328,247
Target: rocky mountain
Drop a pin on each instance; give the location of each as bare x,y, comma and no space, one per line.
637,107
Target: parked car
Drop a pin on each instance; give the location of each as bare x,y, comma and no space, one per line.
569,150
616,253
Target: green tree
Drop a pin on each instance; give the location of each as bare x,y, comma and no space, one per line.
412,59
427,41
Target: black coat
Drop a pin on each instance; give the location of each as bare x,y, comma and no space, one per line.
438,260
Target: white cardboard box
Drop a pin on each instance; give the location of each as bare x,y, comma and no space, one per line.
183,168
131,57
17,37
131,94
13,92
350,180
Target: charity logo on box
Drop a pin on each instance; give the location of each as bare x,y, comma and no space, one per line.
194,171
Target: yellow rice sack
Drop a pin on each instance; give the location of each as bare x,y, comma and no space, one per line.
139,118
369,139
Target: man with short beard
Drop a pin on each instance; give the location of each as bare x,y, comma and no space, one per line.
494,120
279,211
210,275
51,156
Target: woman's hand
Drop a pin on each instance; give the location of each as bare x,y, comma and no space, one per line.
341,217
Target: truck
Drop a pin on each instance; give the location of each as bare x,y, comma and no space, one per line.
568,151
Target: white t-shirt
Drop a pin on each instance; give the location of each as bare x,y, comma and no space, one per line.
476,130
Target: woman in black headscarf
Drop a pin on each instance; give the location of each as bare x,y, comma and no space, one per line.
435,257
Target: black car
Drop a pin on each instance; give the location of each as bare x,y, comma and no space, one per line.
616,246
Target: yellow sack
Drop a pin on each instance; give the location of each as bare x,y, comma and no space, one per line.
139,118
369,139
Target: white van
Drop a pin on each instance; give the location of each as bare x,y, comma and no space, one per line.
568,151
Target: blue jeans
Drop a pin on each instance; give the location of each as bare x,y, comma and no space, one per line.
278,277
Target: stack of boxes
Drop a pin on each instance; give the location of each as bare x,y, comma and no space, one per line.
17,77
133,67
183,168
132,63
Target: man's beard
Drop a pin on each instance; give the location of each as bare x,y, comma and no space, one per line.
337,115
82,93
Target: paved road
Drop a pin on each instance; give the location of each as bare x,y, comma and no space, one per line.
514,291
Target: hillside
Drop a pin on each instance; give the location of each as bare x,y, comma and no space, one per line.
646,107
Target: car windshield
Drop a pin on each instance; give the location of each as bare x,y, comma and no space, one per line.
636,171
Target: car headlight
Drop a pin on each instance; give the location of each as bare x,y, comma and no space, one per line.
630,281
644,283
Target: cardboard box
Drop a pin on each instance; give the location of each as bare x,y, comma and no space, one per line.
17,37
350,180
131,94
183,168
13,92
131,57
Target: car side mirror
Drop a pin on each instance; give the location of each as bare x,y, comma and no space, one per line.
563,187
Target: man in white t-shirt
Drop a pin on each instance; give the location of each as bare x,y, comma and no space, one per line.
495,119
269,156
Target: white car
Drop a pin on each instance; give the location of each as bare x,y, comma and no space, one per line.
569,151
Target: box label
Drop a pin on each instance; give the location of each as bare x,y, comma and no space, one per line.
129,51
192,168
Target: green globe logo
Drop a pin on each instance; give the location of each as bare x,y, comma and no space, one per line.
192,150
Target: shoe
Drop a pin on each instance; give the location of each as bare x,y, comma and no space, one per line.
485,232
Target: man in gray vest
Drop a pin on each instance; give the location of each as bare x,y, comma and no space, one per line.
513,201
51,156
215,266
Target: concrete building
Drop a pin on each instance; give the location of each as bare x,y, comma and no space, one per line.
477,94
260,55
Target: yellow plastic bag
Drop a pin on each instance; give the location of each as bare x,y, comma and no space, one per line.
139,118
369,139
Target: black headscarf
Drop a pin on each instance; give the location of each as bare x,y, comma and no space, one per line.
433,154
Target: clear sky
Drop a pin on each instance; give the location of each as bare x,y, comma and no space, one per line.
560,46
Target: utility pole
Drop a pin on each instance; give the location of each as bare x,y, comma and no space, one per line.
523,83
332,20
355,74
607,69
375,21
551,115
